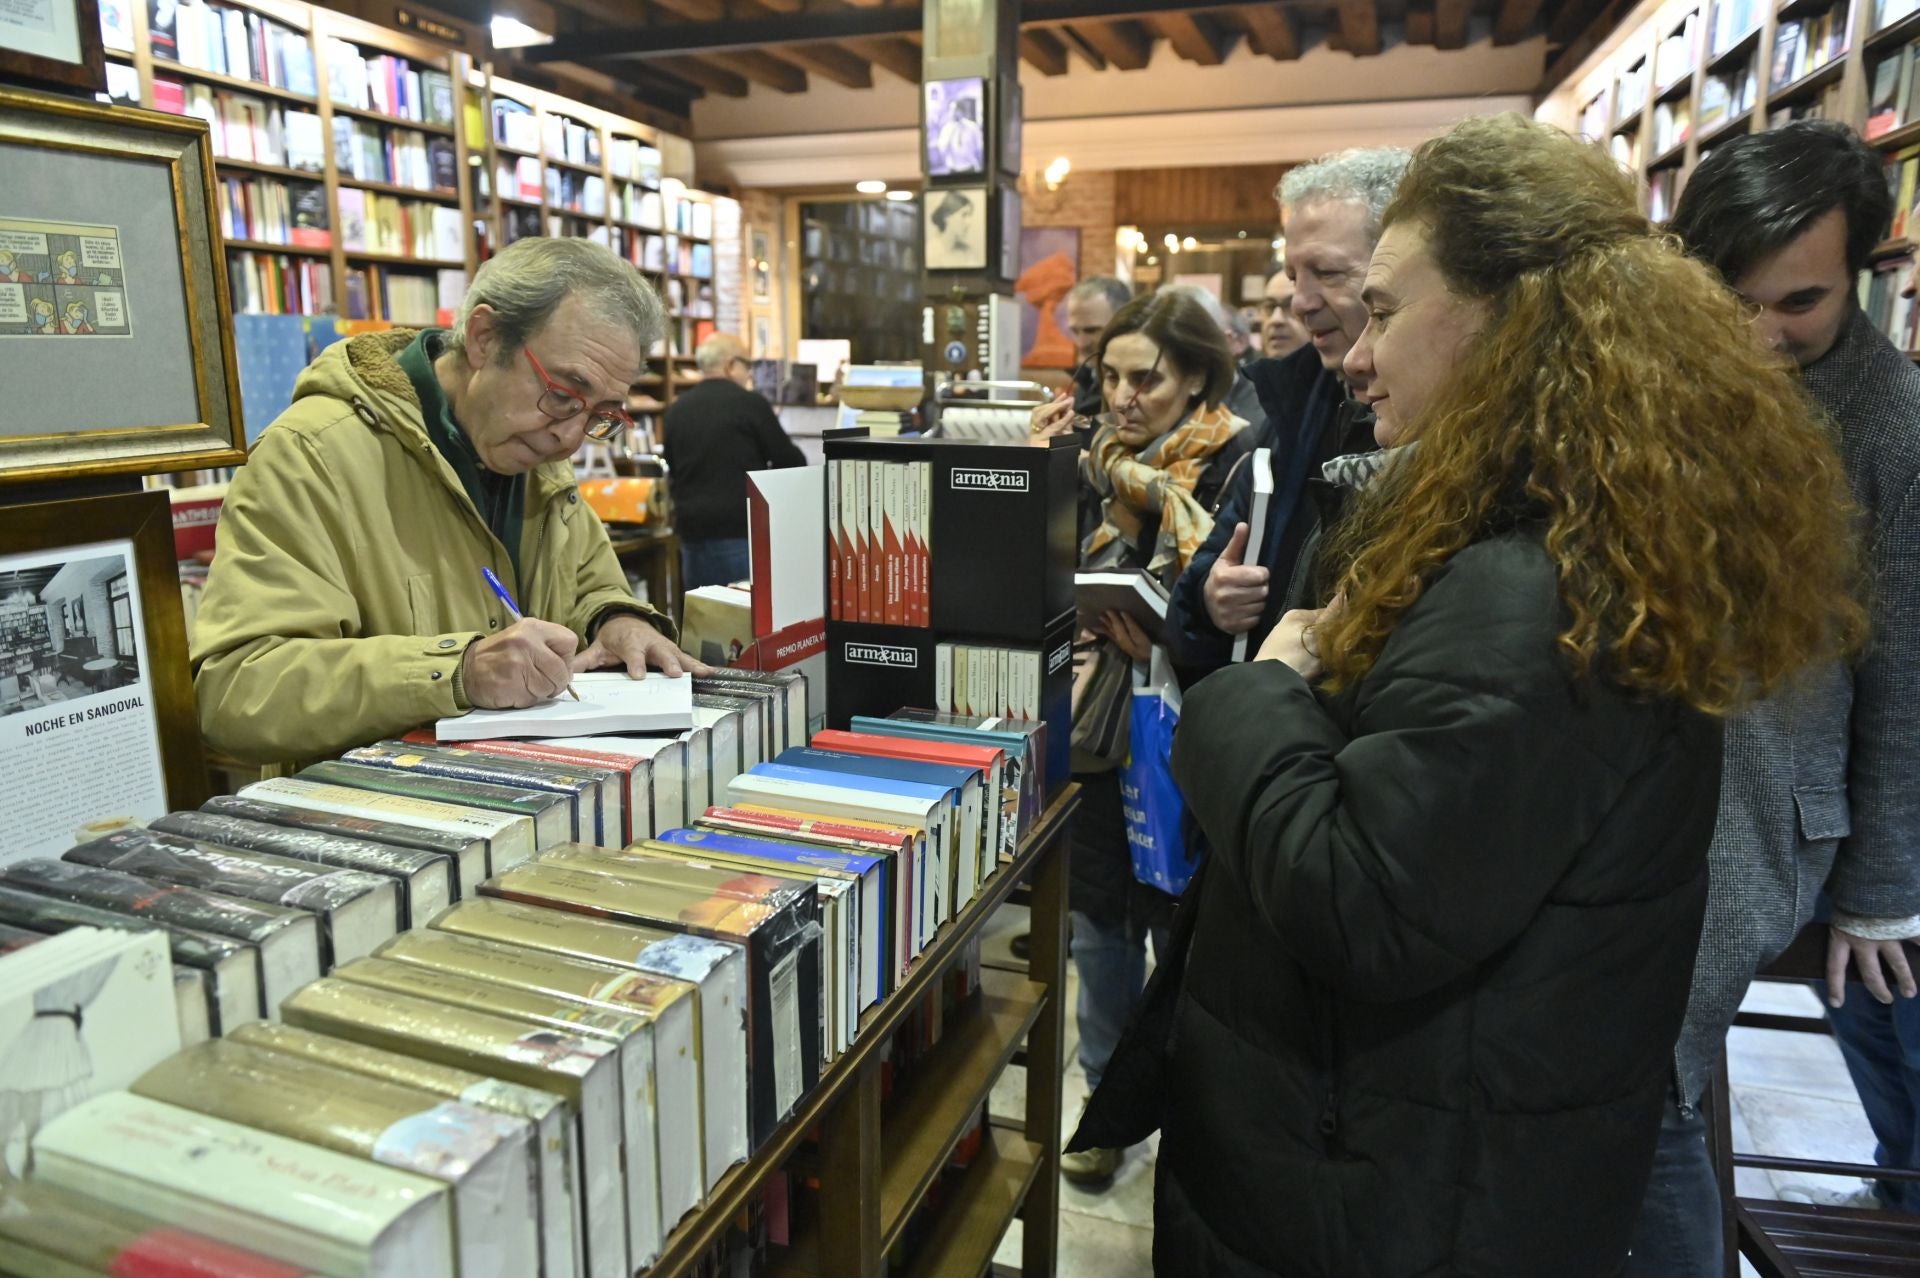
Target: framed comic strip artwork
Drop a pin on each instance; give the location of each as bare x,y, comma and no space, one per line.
97,718
115,330
53,42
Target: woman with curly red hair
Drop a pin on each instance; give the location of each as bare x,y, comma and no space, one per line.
1459,818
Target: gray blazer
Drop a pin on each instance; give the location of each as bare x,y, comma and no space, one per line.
1821,785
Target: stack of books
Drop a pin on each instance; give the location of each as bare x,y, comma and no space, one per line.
634,160
1804,46
572,141
515,125
389,85
232,42
404,297
879,541
398,157
377,223
275,284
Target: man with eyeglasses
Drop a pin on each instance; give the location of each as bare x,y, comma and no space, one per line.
347,601
716,432
1281,333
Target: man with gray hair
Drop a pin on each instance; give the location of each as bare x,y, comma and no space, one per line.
1090,308
1331,209
347,600
715,433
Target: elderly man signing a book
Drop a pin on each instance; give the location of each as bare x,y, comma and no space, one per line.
347,601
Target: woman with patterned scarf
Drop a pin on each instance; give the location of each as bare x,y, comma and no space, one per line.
1158,459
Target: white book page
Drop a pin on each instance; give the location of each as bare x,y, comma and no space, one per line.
609,702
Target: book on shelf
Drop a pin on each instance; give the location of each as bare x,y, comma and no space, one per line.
285,940
466,853
562,1242
583,1071
484,1158
581,991
237,43
672,773
80,1013
630,1035
880,519
1673,60
733,731
356,910
55,1233
625,803
123,84
635,160
509,836
116,25
552,815
231,968
1025,742
1732,21
716,969
425,879
436,98
594,797
515,124
162,39
283,1198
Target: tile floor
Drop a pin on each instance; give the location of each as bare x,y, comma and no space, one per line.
1791,1096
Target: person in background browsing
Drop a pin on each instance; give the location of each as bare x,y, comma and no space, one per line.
1331,209
1090,308
1822,784
1156,464
1280,331
1459,819
716,432
346,601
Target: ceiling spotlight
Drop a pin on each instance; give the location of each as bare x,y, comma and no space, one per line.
511,33
1152,260
1172,242
899,195
872,186
1240,234
1188,243
1056,172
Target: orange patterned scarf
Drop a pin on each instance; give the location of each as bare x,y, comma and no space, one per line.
1158,480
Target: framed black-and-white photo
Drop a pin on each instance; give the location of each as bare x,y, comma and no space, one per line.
955,127
53,42
97,714
956,229
115,329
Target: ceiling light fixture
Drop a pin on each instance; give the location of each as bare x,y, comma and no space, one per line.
511,33
872,186
900,195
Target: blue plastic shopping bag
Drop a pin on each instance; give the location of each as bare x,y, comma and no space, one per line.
1163,856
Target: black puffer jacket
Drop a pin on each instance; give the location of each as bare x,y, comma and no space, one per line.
1441,955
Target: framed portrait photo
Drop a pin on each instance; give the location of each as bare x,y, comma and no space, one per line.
97,716
115,328
954,127
956,229
53,42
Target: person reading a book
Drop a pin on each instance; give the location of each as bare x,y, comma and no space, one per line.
1458,821
346,600
1157,461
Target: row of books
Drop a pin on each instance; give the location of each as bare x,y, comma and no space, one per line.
697,306
571,141
640,206
1673,60
402,296
634,160
1631,90
1672,124
248,128
516,125
1733,20
1888,297
1829,105
520,178
1903,183
388,84
370,152
576,192
880,542
231,42
987,680
1888,12
688,217
1894,99
1803,46
269,211
1727,95
377,223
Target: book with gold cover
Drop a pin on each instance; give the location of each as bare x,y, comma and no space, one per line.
672,1005
469,853
485,1158
717,969
562,1242
508,835
553,815
783,957
583,1071
53,1233
633,777
596,793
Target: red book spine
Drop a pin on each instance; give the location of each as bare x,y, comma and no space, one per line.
175,1253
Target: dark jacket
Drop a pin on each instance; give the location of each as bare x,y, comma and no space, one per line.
716,432
1440,953
1309,420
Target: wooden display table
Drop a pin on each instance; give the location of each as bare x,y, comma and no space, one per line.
876,1161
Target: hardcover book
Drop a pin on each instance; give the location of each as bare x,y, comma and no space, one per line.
716,969
425,879
562,1244
285,941
783,1021
629,778
554,816
1003,814
357,911
509,837
53,1233
468,854
583,1071
484,1158
283,1198
671,773
595,793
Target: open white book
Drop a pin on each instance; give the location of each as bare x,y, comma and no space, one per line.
609,702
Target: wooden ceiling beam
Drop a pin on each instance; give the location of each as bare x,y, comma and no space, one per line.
1360,27
695,71
1270,30
1077,45
1043,51
1124,44
1515,19
896,53
1419,26
829,60
762,68
1450,23
1193,37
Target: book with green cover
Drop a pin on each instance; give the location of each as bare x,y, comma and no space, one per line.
485,1158
553,815
597,793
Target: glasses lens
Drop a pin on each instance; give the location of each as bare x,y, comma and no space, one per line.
604,426
559,405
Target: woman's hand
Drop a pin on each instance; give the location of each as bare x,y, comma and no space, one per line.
1292,639
1126,632
1055,417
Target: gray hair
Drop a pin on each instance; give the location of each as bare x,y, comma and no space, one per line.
1230,323
525,282
1116,293
1370,175
717,351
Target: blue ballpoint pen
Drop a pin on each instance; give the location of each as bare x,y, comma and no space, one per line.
493,583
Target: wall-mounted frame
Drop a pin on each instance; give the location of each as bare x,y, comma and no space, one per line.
53,42
100,724
115,327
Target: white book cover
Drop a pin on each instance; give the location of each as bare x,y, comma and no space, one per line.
1261,473
665,804
609,702
893,521
81,1013
833,540
789,579
943,677
962,679
285,1199
1003,699
877,540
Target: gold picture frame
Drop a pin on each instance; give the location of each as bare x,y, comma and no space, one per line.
144,382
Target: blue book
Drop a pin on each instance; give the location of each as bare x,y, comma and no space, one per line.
1024,741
